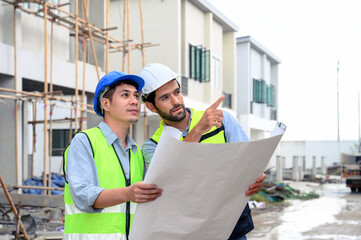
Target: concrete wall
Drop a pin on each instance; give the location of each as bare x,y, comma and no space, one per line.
217,52
256,65
163,29
244,85
32,36
258,72
328,149
6,30
274,81
229,66
96,13
195,32
7,134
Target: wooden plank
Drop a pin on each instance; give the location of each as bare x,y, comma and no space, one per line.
32,200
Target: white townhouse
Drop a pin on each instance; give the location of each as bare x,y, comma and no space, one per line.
257,87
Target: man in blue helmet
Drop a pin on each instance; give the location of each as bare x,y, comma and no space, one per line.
104,167
162,95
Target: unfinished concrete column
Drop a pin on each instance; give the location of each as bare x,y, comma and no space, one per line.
314,168
301,167
323,165
304,167
279,168
295,173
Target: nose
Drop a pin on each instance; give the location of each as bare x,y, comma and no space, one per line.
174,100
134,100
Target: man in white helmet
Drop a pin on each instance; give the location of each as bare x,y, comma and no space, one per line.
162,95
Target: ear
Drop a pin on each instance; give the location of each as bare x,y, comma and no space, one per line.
105,104
150,106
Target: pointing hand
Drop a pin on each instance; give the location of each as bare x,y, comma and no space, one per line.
211,117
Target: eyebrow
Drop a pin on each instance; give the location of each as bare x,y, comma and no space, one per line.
178,88
126,90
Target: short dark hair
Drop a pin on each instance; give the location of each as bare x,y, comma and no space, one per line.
151,96
109,94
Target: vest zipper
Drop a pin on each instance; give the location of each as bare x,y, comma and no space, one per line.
127,225
127,204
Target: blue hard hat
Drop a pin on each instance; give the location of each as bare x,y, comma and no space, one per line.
110,79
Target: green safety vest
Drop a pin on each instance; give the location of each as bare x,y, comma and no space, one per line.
214,135
113,222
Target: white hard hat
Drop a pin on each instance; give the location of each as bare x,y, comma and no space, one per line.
156,75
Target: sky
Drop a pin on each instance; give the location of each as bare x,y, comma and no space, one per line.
310,37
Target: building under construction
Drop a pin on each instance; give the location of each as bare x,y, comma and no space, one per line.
52,55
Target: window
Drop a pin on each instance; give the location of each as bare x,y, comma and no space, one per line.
207,66
192,60
271,95
259,91
227,102
263,93
184,86
199,63
60,141
256,86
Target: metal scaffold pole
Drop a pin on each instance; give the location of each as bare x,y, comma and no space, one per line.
359,128
107,38
45,7
51,106
76,65
16,102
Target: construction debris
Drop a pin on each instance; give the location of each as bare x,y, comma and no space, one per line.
57,184
278,192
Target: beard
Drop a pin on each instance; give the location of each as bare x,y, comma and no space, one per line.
170,116
133,120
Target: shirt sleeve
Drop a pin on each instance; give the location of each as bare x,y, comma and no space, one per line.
233,130
82,175
148,149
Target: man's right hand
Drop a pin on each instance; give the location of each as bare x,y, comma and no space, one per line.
142,192
211,117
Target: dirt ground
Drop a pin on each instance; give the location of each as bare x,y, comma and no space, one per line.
335,215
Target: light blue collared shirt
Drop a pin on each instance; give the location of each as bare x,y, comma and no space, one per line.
81,171
233,131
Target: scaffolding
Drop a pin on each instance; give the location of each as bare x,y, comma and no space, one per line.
79,25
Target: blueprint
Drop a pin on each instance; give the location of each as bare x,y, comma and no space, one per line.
203,186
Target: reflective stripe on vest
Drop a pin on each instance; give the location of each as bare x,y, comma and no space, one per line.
111,221
109,236
71,209
214,135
